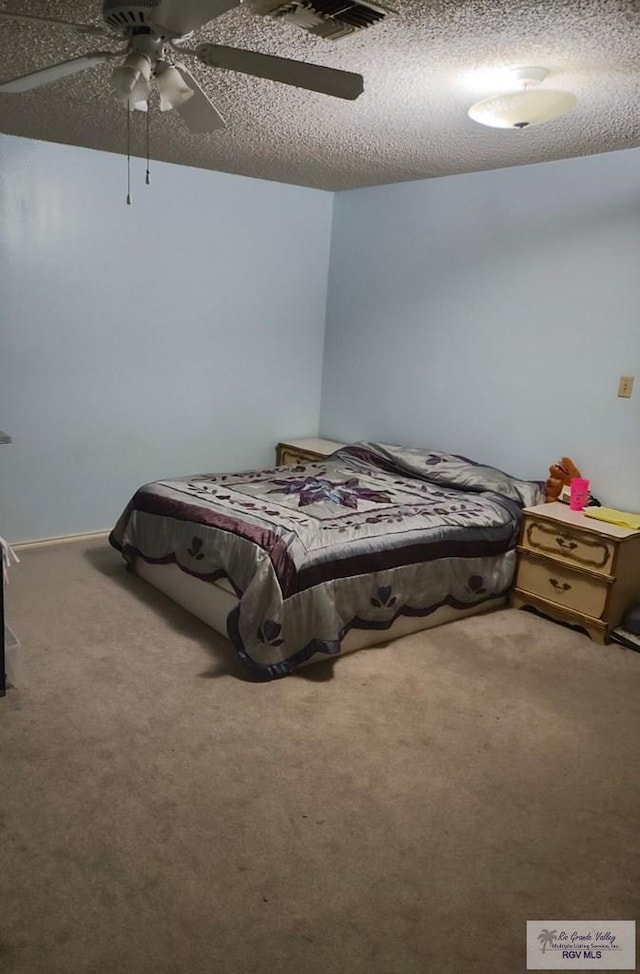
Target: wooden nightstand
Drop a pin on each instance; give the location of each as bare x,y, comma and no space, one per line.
304,451
577,569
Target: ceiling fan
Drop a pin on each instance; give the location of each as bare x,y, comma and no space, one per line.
153,28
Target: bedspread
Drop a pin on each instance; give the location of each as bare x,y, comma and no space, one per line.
355,540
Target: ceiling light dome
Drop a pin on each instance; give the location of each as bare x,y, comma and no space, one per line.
524,107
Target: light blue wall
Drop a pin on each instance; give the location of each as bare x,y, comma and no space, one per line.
180,334
492,314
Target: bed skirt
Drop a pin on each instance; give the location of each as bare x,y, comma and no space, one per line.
212,602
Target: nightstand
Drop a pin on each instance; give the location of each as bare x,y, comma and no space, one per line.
577,569
304,451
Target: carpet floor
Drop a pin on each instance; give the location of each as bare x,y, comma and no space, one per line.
403,809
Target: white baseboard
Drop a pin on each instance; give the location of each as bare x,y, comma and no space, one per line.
41,542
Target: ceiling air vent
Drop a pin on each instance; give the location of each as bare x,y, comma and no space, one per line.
330,18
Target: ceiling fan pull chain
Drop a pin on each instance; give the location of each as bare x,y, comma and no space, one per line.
128,154
148,177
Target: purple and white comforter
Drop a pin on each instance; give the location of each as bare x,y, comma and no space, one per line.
354,541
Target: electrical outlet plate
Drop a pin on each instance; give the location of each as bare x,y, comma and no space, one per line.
625,386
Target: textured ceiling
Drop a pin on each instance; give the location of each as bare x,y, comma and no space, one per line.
423,67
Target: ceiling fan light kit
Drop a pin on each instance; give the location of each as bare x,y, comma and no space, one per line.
526,106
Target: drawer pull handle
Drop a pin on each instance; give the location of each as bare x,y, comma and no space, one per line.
560,586
566,545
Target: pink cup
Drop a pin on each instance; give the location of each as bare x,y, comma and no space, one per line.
579,493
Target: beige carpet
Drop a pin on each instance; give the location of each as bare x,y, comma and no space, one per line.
403,810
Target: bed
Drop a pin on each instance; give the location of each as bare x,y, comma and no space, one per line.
296,563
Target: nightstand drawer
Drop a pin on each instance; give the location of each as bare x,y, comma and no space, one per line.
581,548
551,581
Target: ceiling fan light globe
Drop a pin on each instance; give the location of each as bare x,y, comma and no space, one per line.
140,63
140,91
124,79
522,109
173,89
137,95
132,78
134,104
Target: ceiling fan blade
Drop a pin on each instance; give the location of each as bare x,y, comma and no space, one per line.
199,113
179,17
314,77
55,71
31,19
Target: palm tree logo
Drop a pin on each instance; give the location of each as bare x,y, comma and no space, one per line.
546,938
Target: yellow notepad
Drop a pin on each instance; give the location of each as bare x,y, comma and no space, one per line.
609,514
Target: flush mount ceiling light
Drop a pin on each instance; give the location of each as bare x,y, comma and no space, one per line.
527,105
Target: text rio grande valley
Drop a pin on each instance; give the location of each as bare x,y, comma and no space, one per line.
590,951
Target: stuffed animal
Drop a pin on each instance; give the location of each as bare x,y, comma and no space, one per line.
560,473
